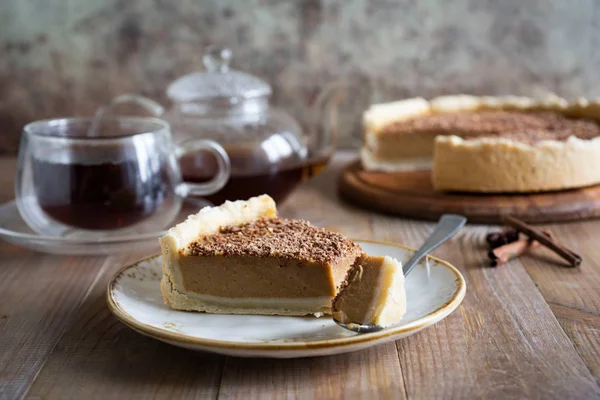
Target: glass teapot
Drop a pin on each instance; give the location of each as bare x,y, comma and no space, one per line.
269,151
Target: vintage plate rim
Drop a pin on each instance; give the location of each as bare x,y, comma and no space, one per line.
183,339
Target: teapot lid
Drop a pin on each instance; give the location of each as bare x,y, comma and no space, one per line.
218,82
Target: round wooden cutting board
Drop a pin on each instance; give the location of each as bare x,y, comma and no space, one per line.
410,194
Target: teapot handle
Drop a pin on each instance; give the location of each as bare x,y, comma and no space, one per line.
325,117
146,103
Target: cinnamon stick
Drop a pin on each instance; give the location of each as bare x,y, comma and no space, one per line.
505,253
573,258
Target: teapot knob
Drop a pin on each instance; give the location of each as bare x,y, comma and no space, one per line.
216,58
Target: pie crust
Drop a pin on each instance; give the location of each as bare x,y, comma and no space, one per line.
487,163
240,258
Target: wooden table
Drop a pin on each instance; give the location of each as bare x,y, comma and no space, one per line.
529,329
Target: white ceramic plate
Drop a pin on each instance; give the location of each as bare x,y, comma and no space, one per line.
134,297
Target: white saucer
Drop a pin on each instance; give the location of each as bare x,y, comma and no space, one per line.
14,230
134,297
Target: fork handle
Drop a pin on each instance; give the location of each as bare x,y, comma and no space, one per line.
448,226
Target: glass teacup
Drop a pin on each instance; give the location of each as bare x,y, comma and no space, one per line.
122,180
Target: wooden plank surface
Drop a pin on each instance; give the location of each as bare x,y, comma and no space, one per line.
503,338
516,340
573,293
368,374
39,295
584,331
529,329
100,358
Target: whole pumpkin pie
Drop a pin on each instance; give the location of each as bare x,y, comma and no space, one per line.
241,258
487,144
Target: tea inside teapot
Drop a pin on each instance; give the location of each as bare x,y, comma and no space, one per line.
246,180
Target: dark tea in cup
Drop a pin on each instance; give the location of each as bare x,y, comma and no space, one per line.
99,196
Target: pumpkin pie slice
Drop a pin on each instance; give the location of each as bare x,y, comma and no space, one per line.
241,258
487,144
372,294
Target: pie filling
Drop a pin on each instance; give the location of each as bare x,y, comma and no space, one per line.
372,293
266,306
393,163
249,261
414,137
269,277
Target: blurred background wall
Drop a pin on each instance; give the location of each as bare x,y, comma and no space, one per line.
61,58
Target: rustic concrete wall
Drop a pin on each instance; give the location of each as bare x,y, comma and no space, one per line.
65,57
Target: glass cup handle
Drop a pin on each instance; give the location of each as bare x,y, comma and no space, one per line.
223,163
